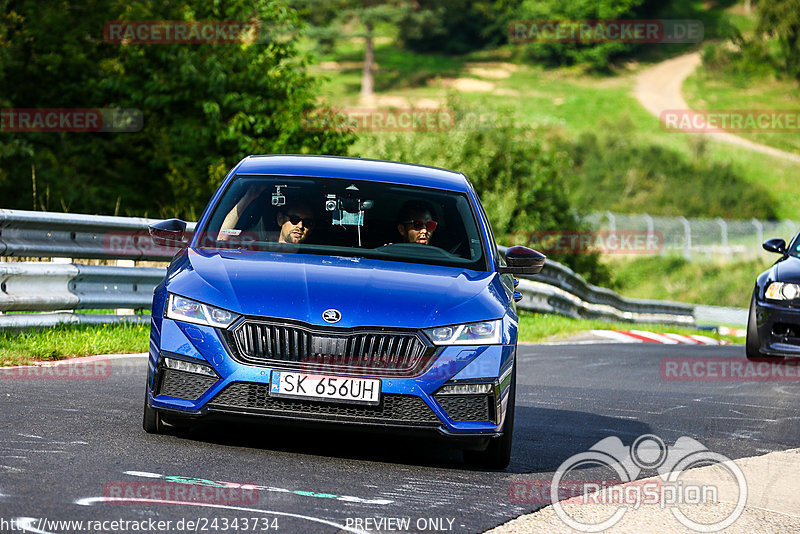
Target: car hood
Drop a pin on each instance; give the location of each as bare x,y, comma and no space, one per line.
787,270
367,292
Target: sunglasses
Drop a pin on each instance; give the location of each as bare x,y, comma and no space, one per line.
308,222
420,224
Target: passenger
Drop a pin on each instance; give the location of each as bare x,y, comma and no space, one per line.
416,223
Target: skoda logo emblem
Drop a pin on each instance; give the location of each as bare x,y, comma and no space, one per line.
331,316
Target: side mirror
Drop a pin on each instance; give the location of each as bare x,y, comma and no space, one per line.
523,260
169,233
776,245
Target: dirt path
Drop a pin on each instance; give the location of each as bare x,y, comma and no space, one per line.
658,88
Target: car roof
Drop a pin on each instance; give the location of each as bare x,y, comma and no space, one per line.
355,168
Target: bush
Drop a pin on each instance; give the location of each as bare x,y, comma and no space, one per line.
595,55
456,26
618,172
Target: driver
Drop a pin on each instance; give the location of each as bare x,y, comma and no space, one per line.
295,220
416,223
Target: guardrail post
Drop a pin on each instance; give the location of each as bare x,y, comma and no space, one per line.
125,311
724,235
687,238
651,230
612,222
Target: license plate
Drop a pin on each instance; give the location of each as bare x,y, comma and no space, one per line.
326,388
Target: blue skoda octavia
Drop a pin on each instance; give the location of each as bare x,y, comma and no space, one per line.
340,291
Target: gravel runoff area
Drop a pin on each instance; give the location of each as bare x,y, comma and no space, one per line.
773,503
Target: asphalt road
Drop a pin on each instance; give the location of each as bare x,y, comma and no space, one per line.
65,442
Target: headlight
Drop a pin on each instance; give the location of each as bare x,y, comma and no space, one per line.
782,291
483,333
191,311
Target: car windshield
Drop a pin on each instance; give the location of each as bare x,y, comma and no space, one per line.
794,246
342,217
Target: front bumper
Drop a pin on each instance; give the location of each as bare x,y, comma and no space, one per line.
407,403
778,329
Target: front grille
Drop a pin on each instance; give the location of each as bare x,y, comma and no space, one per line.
465,408
183,385
393,409
362,352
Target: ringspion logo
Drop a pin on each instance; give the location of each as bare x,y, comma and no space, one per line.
673,487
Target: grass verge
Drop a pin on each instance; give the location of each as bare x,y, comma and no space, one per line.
65,341
539,327
701,282
720,90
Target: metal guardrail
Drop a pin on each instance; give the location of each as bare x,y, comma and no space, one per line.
34,234
57,287
558,289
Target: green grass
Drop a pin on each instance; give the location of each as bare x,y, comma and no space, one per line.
538,327
65,341
674,278
720,90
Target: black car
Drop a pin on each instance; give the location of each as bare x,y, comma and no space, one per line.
773,326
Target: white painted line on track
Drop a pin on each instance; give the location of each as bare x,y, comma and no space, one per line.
680,338
658,338
615,335
89,501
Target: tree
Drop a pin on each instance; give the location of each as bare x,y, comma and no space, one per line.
781,19
205,106
364,15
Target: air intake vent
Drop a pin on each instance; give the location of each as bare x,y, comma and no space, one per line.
340,351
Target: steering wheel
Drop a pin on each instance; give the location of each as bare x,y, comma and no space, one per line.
455,247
